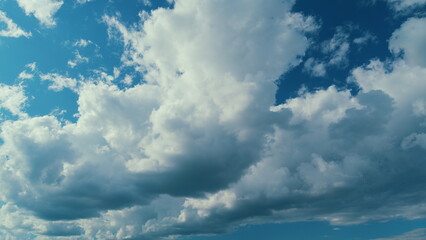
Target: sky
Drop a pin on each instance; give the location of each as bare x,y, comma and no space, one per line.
212,120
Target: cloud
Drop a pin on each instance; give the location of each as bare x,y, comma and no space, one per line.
78,59
83,1
25,74
338,47
13,99
82,43
12,29
405,5
335,53
416,234
409,41
315,67
199,149
59,82
43,10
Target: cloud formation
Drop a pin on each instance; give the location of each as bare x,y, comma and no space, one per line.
12,30
404,5
43,10
417,234
13,99
199,148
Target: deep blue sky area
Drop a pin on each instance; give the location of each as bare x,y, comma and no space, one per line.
361,17
152,119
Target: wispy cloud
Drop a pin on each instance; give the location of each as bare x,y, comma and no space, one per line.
416,234
12,30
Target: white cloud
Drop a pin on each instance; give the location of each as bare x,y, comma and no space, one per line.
365,39
32,66
28,75
12,29
82,43
404,5
338,47
78,59
25,75
128,80
83,1
315,67
335,53
416,234
13,99
409,40
59,82
43,10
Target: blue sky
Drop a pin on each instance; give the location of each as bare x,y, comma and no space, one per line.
212,120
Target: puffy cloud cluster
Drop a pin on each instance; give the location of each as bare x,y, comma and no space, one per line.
198,148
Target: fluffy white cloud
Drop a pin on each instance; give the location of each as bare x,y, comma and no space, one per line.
12,29
43,10
13,99
409,40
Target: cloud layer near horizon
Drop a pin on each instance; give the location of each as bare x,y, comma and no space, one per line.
198,148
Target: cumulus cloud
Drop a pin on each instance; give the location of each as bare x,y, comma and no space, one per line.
43,10
409,41
198,148
13,99
12,30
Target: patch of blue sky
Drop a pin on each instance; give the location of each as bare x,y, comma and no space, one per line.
367,25
319,231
